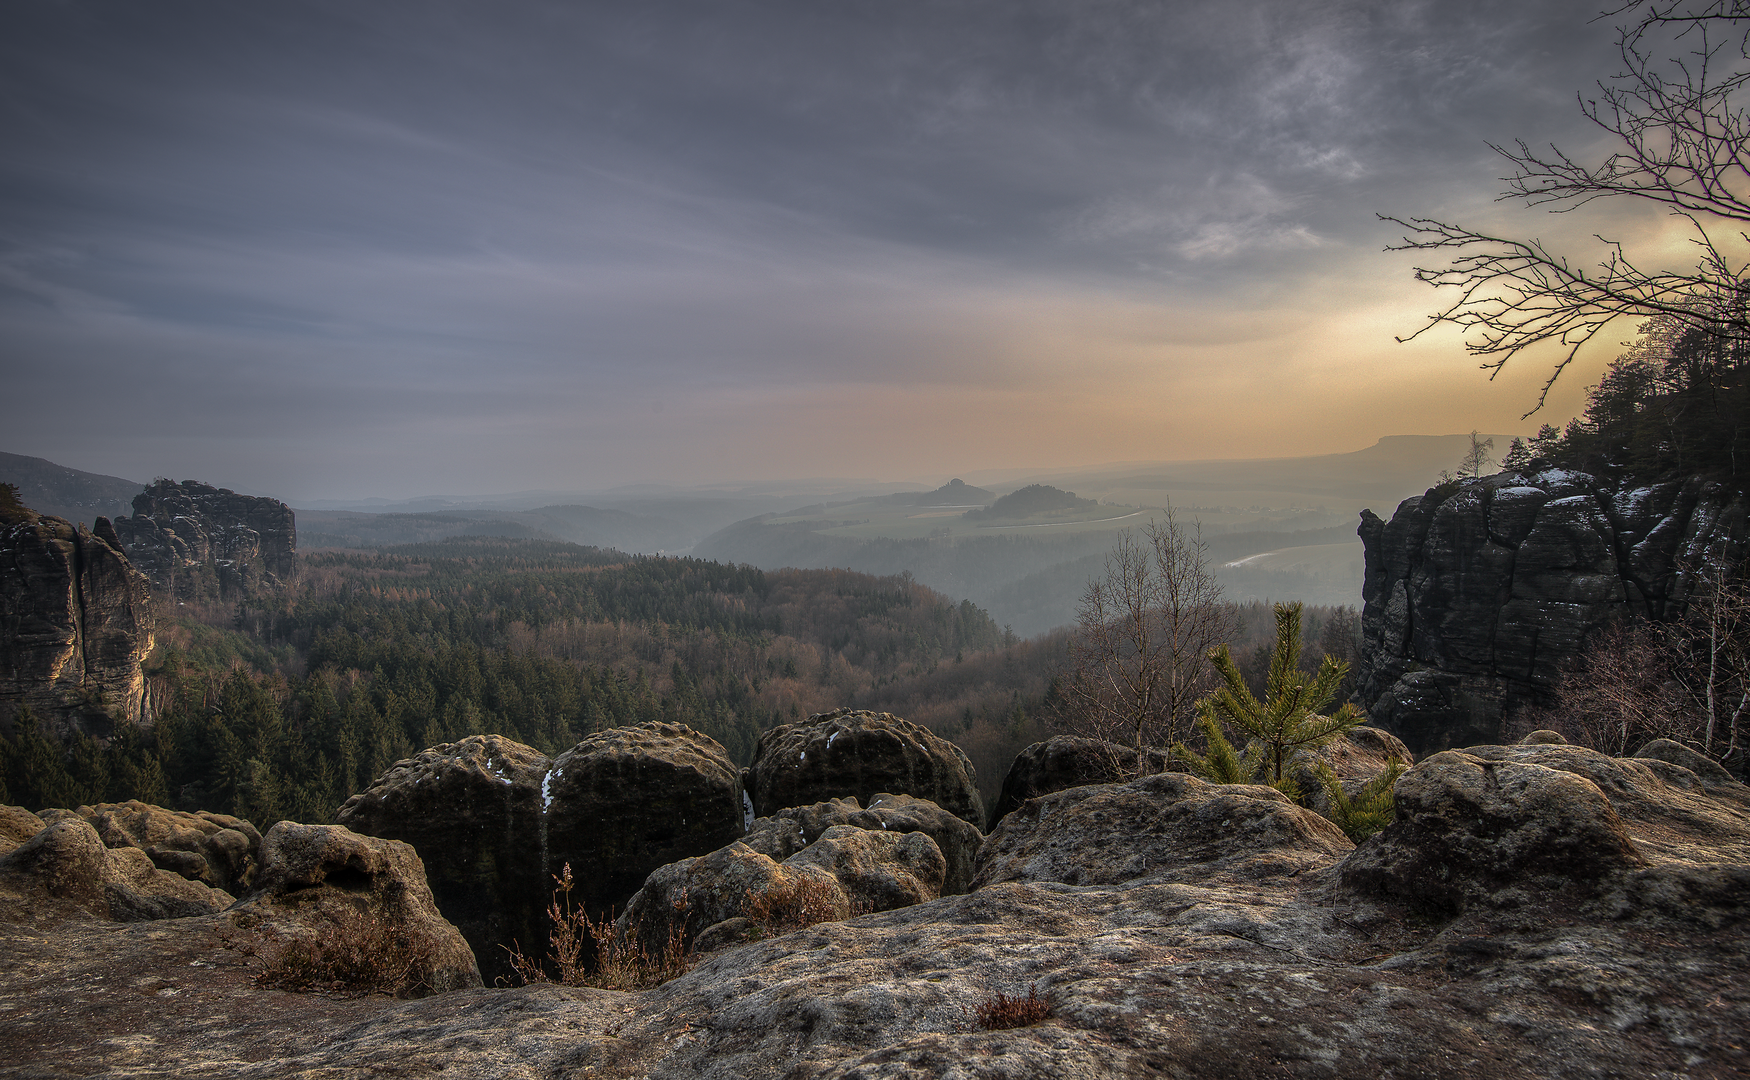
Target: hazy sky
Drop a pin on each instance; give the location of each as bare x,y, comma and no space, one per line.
348,249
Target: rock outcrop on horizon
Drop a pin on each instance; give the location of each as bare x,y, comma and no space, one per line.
859,754
1478,592
76,619
199,542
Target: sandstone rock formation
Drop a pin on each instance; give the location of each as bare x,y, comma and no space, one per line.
215,849
849,870
1477,592
75,622
197,541
68,862
859,754
313,876
472,810
1066,761
1245,949
1159,828
794,828
625,801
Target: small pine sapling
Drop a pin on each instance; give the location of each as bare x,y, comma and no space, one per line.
1287,722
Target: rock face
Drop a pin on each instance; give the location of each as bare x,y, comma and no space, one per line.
214,849
1356,757
67,861
1478,592
472,810
197,541
859,754
1157,828
794,828
1066,761
75,622
313,875
623,802
850,871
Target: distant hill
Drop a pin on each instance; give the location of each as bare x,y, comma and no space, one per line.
78,496
1029,501
586,525
955,492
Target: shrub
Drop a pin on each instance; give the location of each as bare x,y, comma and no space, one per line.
794,905
1370,809
362,953
619,961
1000,1011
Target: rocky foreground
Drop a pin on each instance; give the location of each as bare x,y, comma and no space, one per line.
1536,911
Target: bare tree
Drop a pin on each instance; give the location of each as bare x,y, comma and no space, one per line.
1139,660
1683,144
1477,456
1686,680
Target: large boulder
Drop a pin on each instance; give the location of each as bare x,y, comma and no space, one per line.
67,861
736,891
794,828
319,884
623,802
76,619
1168,827
214,849
860,754
1066,761
1492,827
472,810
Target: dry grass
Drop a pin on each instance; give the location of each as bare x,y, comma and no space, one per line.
363,953
795,905
591,952
1000,1011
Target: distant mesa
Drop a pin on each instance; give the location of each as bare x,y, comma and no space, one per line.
1029,501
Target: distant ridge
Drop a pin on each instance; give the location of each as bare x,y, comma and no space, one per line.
67,493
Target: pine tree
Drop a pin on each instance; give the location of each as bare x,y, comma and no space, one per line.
1288,720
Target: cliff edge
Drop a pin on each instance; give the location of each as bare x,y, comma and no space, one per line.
199,542
1479,591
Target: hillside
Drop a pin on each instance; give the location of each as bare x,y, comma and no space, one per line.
67,493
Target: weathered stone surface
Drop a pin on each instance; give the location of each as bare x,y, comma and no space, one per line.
851,870
472,809
75,622
1208,974
1066,761
626,801
311,874
67,861
794,828
1477,593
215,849
1543,737
16,826
860,754
1157,828
197,541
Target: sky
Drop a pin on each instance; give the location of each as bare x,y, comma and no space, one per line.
341,250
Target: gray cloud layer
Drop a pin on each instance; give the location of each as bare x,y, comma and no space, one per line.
340,248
